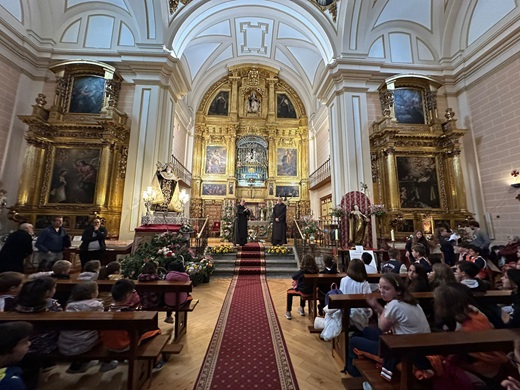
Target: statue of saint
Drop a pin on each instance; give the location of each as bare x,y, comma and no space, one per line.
165,185
357,226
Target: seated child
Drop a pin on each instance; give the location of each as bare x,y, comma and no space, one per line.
14,344
90,270
36,297
60,270
308,266
75,342
149,300
10,286
119,340
466,273
111,271
176,273
394,264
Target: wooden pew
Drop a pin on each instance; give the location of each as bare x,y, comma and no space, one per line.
160,287
140,358
444,343
350,301
325,280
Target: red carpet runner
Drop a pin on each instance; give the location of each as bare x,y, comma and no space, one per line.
247,349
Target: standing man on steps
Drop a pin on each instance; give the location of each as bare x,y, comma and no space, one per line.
279,236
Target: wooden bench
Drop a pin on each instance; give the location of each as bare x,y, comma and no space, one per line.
350,301
325,280
160,287
444,343
140,358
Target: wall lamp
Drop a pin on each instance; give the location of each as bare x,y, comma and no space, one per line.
515,174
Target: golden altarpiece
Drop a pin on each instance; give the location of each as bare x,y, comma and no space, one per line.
76,155
251,142
416,166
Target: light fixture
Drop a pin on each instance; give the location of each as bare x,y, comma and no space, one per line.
148,198
515,174
184,197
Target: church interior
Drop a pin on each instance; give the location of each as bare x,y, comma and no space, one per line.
405,105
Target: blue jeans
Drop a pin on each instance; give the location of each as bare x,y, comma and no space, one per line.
368,342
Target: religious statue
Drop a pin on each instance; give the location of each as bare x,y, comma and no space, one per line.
253,103
166,188
357,226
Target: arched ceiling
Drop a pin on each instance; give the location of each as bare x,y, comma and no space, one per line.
299,38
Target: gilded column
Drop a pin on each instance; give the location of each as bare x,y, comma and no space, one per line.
272,157
391,178
460,192
106,158
304,163
272,100
233,109
33,170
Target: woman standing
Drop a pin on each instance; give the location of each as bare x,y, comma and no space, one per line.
92,242
418,238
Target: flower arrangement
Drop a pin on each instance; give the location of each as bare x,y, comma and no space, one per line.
164,249
338,212
310,226
227,223
221,249
279,250
378,210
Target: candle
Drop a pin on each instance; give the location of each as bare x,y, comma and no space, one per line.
392,235
336,235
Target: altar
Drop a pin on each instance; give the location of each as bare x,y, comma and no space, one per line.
258,230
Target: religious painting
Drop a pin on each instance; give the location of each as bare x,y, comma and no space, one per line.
216,157
87,95
230,186
287,162
74,175
285,108
427,225
212,189
408,105
406,226
219,105
418,184
82,221
42,221
288,191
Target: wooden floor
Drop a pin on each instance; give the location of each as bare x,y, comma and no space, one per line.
311,358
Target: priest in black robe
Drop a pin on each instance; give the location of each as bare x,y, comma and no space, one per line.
279,223
242,215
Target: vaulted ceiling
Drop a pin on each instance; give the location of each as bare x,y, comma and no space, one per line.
299,37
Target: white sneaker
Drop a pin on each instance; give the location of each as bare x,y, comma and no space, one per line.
366,386
301,311
288,315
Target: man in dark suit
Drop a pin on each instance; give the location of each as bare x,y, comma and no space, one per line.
16,248
279,224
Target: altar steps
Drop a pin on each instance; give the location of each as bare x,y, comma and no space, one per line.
276,266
